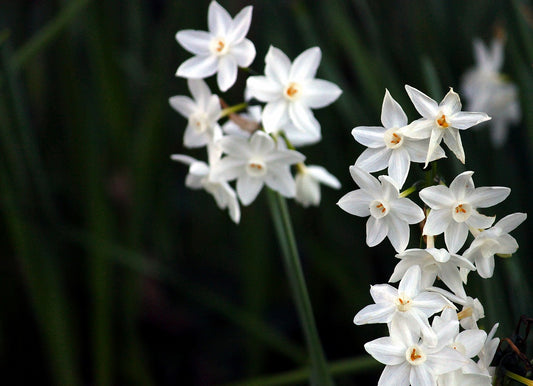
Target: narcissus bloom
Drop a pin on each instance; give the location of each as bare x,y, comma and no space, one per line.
442,121
290,90
390,214
202,113
222,49
390,146
453,209
256,162
308,180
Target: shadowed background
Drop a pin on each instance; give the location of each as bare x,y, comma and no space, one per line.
113,273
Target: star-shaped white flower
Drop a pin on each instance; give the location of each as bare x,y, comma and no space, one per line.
308,180
441,121
486,89
408,304
390,146
453,209
256,162
495,240
433,262
410,361
222,49
291,90
390,214
202,113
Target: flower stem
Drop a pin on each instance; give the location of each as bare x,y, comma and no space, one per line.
233,109
280,216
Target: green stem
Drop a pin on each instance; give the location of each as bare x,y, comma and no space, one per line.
233,109
280,216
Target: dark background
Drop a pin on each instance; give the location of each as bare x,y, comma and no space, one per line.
113,273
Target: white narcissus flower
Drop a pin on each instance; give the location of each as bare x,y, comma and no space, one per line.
433,262
202,113
408,305
222,49
256,162
390,214
486,89
472,309
308,180
390,146
410,361
495,240
291,90
441,121
453,209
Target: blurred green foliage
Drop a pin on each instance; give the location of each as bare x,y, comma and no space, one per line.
113,273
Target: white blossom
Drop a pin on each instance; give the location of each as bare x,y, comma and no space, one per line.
308,180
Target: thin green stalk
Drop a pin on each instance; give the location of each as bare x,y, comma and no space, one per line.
280,215
346,366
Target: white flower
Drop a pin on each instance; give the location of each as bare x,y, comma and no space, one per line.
410,361
433,262
390,214
256,162
453,209
486,89
495,240
407,305
202,113
291,91
441,121
221,50
472,309
389,146
308,181
198,178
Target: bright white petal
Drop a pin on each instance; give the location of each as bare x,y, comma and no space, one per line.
305,65
376,230
277,65
281,181
227,72
420,375
196,42
183,105
437,221
485,267
463,185
364,180
235,146
408,211
199,91
384,350
302,117
395,375
479,221
240,25
370,136
374,160
198,67
452,139
437,197
392,115
325,177
464,119
434,142
375,313
426,106
248,188
485,197
356,203
383,293
227,169
185,159
398,233
455,236
399,163
244,53
510,222
261,143
263,89
218,19
275,114
451,103
319,93
410,283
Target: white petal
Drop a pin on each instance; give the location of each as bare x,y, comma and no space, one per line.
485,197
244,53
198,67
318,93
510,222
275,114
375,313
235,146
248,188
485,267
261,143
281,180
408,211
437,197
446,360
473,341
434,142
200,92
374,160
356,202
383,293
196,42
240,25
437,222
451,103
399,163
430,303
386,351
192,139
420,375
418,151
398,233
452,139
322,175
462,186
426,106
376,230
185,159
479,221
277,65
263,89
370,136
364,180
455,236
301,138
395,375
392,115
305,65
420,129
390,191
464,119
302,117
451,277
227,169
410,283
183,105
218,19
227,72
284,157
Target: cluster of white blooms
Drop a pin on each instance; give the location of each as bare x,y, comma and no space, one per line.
256,147
423,346
487,89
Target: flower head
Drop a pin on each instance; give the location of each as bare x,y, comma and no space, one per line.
441,121
221,50
290,90
390,214
308,180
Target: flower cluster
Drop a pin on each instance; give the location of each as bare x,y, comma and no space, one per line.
257,147
486,89
426,345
